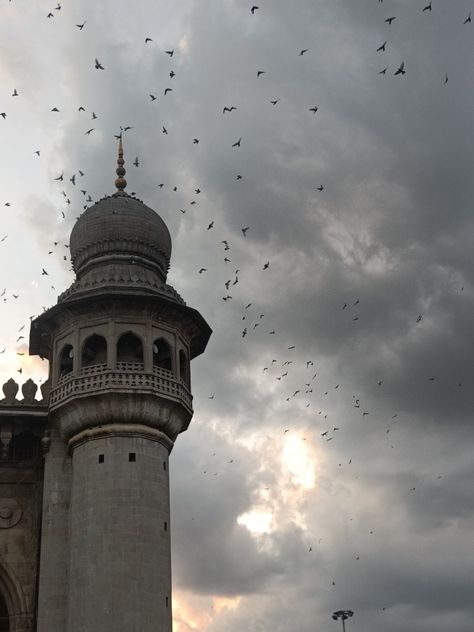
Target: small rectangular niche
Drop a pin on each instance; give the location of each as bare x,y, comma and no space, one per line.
164,465
101,458
132,457
165,526
167,602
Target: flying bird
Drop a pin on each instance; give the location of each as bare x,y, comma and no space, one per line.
135,162
253,9
274,102
244,230
389,20
81,26
400,70
428,7
302,52
468,19
260,72
266,266
228,108
382,47
148,39
15,93
168,90
98,65
314,109
237,144
89,131
170,52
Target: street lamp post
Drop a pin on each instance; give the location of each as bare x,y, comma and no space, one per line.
343,615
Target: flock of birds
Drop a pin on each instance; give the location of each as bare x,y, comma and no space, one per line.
308,393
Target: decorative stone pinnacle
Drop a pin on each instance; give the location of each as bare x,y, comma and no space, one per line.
120,182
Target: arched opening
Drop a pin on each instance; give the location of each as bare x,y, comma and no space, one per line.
94,351
183,367
66,360
25,446
129,348
4,618
162,354
13,606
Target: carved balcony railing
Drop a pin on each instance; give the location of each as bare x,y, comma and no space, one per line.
129,376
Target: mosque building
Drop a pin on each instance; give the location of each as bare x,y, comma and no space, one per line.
84,476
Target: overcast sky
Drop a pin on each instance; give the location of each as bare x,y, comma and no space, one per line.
333,466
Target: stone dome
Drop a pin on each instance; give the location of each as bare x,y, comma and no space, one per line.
118,227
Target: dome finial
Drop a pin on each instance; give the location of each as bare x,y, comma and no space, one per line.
120,182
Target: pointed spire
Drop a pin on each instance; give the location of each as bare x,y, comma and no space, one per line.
120,182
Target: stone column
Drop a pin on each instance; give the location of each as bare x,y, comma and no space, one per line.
54,560
120,563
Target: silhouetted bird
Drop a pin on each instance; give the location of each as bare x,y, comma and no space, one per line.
401,69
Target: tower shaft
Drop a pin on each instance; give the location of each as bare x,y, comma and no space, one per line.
120,564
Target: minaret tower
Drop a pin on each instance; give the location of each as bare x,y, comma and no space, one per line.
119,343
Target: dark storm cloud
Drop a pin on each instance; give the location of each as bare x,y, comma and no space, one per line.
392,229
214,482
